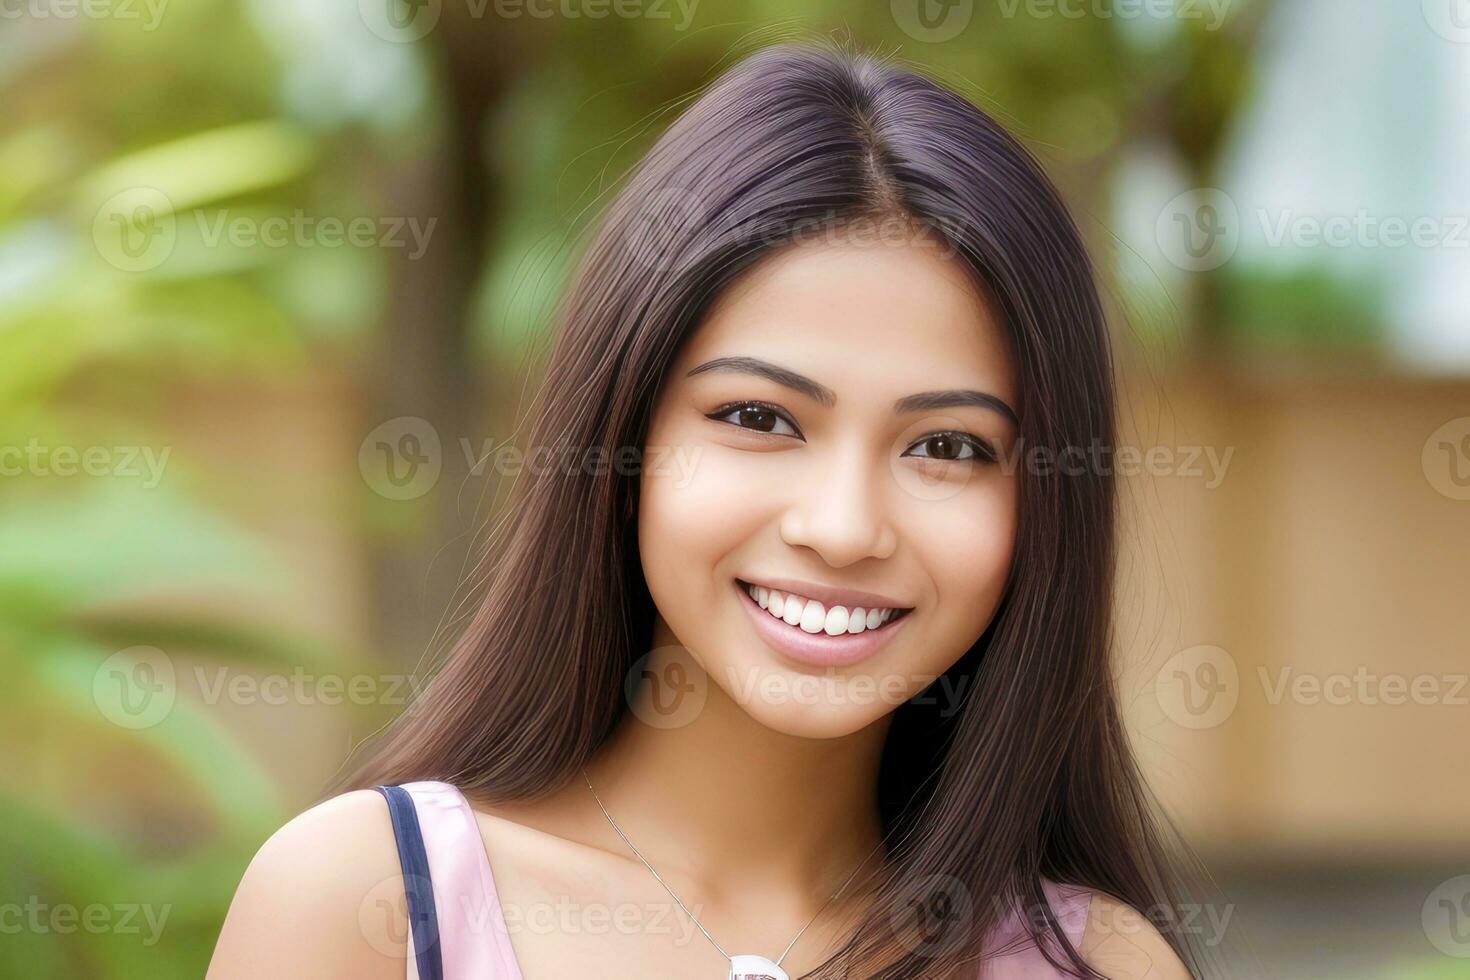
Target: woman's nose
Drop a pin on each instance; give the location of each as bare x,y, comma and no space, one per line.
839,509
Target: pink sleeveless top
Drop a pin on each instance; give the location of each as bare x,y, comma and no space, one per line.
474,942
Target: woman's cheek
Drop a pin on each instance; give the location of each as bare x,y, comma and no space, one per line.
706,497
966,544
692,517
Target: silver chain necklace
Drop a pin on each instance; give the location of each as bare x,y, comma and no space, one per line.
743,966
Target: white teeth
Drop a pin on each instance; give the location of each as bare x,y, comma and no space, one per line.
836,621
794,608
813,617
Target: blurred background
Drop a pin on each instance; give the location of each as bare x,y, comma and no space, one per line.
273,279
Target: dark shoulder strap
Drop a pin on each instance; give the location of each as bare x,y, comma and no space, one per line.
423,920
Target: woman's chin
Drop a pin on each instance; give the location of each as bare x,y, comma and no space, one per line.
828,705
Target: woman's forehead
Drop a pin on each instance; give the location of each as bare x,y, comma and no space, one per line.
885,315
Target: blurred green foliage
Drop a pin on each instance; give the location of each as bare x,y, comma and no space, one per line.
149,828
70,565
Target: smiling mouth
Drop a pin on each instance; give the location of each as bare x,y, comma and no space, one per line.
818,619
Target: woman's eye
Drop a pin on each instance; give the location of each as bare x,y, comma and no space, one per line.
953,447
757,417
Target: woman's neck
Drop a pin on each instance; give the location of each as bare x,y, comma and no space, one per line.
719,796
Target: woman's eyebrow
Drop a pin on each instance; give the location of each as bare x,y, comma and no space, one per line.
820,393
765,369
955,398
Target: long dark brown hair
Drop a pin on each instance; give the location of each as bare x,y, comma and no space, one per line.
1032,776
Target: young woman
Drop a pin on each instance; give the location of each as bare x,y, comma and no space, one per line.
796,660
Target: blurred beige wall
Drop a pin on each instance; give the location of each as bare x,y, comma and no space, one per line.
1326,556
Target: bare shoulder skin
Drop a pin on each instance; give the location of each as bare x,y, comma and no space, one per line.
1122,944
322,898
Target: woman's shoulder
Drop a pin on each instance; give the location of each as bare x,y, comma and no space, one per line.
1067,902
323,896
1121,943
1110,935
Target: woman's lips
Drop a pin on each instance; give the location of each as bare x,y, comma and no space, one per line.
817,649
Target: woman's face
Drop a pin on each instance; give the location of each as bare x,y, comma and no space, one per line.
835,433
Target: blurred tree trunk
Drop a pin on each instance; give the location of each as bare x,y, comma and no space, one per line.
425,367
1199,116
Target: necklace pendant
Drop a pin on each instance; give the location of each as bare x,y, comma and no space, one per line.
750,967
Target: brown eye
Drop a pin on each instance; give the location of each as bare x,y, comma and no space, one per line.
755,416
953,447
